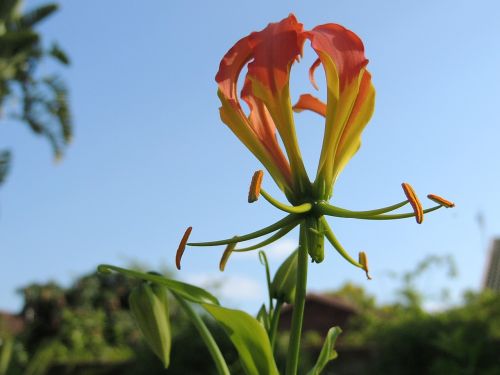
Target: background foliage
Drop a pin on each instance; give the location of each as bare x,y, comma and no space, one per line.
38,100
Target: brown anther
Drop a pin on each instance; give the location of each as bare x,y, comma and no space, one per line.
182,247
225,256
414,201
363,260
440,200
254,192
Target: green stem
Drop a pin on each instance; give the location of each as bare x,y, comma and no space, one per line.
274,323
303,208
206,336
292,359
263,260
287,220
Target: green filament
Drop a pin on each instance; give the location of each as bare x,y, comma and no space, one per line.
286,221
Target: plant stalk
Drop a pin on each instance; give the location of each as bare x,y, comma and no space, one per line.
292,359
206,336
274,323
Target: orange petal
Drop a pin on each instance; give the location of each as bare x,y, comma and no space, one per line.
182,247
311,103
230,67
275,48
258,131
312,69
414,201
263,125
343,47
362,110
342,55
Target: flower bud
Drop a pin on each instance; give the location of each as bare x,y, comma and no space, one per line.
285,279
149,307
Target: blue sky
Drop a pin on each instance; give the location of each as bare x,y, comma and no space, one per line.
151,156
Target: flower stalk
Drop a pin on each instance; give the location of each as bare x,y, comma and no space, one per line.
292,359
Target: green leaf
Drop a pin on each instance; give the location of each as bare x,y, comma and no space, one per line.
327,351
32,17
5,354
13,43
190,292
59,54
249,337
149,307
284,281
8,8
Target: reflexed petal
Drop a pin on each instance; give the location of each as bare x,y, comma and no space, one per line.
230,67
362,111
311,103
239,124
342,55
275,48
312,69
258,137
263,125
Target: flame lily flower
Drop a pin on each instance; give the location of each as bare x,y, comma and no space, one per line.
269,55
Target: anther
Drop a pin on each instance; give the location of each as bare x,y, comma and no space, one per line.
414,201
440,200
182,247
363,260
225,256
254,192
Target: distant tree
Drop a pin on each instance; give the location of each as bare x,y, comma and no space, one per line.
88,324
39,101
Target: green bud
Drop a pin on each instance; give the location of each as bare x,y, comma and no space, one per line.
263,317
284,282
315,239
149,307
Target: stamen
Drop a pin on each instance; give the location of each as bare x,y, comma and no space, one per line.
328,209
336,244
399,216
303,208
254,192
182,247
363,260
282,232
440,200
414,201
225,256
286,221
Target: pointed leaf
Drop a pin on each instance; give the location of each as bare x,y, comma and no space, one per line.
32,17
284,281
149,307
59,54
327,351
190,292
249,337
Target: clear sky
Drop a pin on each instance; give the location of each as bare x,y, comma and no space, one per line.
151,156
